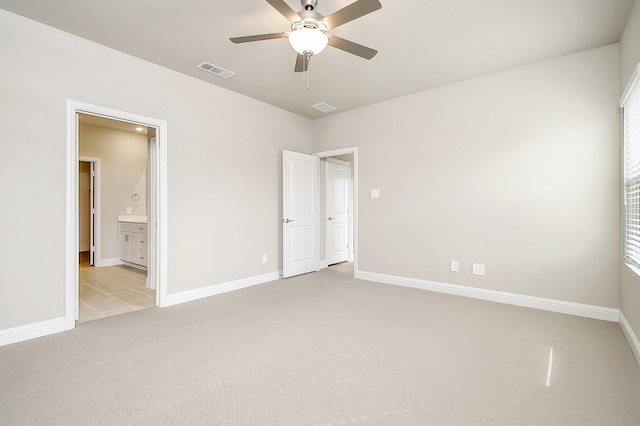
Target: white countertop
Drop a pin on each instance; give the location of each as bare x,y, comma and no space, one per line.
135,218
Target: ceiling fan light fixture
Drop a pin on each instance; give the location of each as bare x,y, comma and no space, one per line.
308,40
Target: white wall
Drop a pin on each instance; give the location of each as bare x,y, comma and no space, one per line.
517,170
629,59
123,163
223,168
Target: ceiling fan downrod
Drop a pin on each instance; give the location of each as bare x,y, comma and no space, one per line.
309,4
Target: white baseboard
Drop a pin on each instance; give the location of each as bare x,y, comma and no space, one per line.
108,262
571,308
31,331
631,337
199,293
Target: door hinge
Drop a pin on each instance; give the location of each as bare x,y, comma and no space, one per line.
93,173
93,211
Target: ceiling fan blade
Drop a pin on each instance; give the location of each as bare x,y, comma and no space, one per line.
299,63
258,37
351,12
351,47
284,9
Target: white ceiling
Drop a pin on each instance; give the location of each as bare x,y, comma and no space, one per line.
422,44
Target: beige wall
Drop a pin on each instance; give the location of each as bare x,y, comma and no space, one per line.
224,165
517,170
629,59
630,46
123,162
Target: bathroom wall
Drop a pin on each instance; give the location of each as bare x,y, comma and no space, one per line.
123,162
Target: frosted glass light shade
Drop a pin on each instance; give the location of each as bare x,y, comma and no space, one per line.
308,39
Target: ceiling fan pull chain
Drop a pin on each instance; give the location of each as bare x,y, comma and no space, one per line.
306,59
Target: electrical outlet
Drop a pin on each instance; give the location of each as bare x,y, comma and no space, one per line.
455,266
128,210
264,258
478,269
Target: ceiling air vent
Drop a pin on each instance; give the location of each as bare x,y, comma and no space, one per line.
214,69
323,107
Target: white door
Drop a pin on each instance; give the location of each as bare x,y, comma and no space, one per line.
92,213
84,206
300,223
337,217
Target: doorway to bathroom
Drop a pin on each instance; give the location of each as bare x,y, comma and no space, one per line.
125,267
112,198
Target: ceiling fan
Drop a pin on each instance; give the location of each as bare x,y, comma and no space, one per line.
308,35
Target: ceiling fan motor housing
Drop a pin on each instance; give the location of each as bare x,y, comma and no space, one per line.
309,19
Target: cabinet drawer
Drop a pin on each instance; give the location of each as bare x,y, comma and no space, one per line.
142,257
133,227
142,241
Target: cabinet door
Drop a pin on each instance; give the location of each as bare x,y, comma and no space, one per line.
129,246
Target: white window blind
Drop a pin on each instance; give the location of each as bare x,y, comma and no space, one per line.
631,117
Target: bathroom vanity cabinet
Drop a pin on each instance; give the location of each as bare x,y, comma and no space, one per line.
133,244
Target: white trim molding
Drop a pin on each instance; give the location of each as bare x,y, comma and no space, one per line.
635,78
631,337
113,261
212,290
355,169
32,331
560,306
158,211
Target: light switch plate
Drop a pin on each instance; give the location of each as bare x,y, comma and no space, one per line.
455,266
375,193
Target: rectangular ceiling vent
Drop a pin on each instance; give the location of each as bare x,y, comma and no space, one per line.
214,69
324,107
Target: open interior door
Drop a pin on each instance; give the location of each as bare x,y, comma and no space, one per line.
92,213
301,204
337,206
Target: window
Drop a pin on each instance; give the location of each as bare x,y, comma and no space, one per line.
630,104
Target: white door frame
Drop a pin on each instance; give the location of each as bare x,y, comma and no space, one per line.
344,151
157,214
97,229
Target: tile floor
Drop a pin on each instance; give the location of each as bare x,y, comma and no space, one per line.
111,290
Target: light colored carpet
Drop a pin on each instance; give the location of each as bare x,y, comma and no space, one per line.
325,349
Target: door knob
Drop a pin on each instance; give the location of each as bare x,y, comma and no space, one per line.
331,218
287,220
